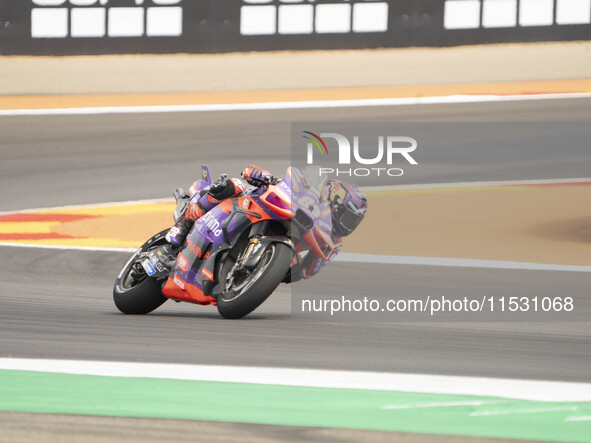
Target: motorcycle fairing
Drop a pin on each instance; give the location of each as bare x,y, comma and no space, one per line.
311,218
218,231
186,282
205,174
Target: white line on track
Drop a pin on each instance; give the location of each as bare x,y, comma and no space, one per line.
265,106
455,262
523,411
548,391
555,181
580,418
76,248
345,257
444,404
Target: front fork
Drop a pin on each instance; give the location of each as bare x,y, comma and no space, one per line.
251,254
245,262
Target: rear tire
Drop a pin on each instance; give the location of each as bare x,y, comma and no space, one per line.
259,291
144,296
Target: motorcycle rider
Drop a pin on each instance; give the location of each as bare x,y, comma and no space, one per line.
347,202
348,206
205,197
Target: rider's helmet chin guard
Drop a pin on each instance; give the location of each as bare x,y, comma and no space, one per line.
348,204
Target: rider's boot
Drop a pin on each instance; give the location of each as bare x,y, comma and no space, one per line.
177,235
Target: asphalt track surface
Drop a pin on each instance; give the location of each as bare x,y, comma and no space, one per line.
57,160
57,303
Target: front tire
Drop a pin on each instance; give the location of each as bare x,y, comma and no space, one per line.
139,296
269,273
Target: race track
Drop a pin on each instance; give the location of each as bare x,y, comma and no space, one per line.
57,160
57,303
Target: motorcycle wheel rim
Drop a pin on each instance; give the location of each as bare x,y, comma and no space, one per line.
260,268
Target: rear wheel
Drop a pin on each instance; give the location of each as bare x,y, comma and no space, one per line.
134,292
244,291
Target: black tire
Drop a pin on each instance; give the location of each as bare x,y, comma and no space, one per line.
141,297
246,302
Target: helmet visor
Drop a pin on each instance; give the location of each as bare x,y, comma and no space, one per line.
349,218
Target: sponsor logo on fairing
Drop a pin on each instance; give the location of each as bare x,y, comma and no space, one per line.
183,264
177,281
196,249
149,268
212,224
285,187
159,267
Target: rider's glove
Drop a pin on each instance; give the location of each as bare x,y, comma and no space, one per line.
226,188
222,189
253,173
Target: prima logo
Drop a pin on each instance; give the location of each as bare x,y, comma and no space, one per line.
97,19
212,224
388,148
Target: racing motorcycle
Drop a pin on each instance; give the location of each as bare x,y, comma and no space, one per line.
238,253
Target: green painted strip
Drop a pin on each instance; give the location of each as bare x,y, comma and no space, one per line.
26,391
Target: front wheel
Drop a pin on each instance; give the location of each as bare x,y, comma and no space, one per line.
134,292
240,295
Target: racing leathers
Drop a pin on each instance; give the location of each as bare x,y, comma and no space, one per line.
204,197
313,261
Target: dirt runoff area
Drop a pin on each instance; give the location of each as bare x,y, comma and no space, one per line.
547,223
294,70
527,223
